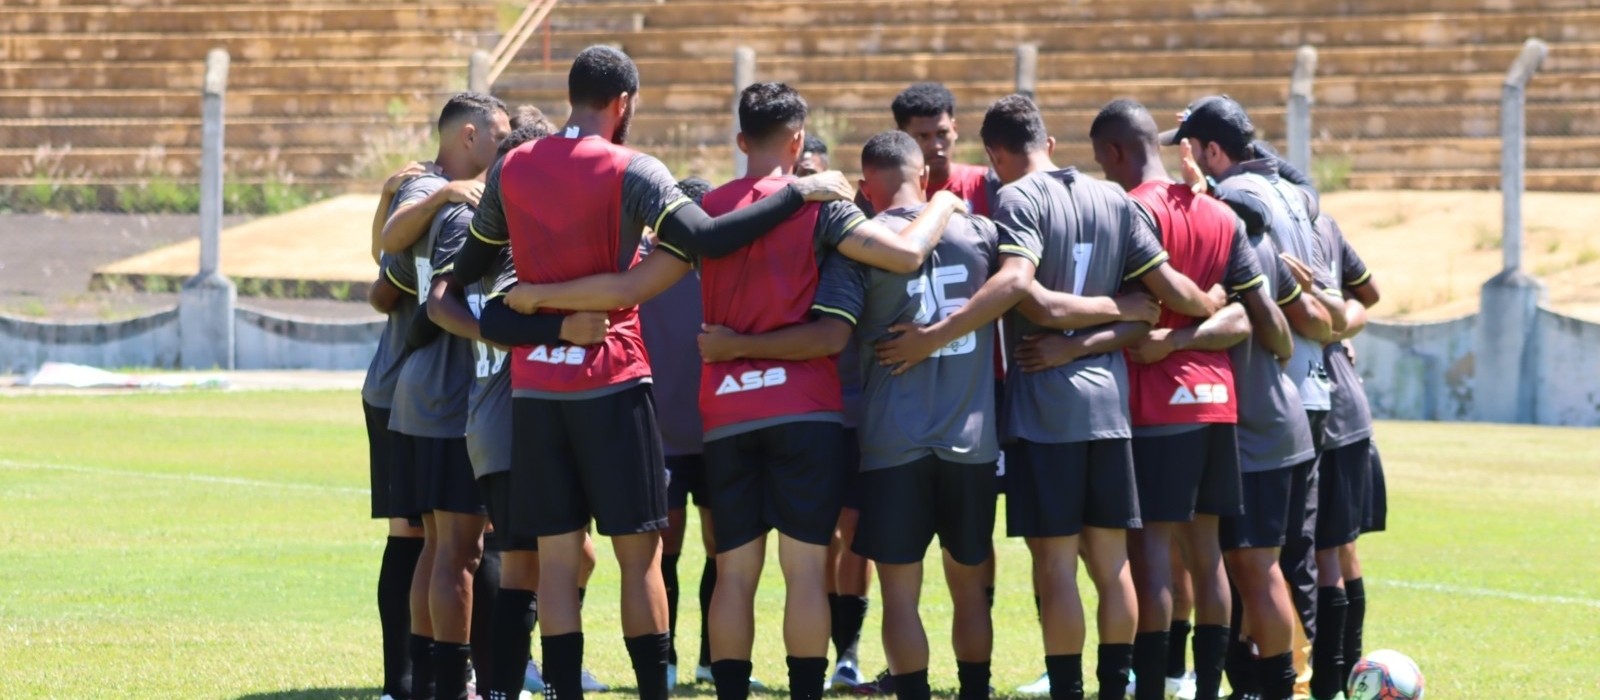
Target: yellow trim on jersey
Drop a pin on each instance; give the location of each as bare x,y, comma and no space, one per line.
672,206
1295,294
853,223
1154,262
474,229
1335,293
841,313
1019,251
390,274
673,250
1363,279
1252,283
447,269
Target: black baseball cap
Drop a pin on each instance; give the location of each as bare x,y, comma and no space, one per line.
1216,118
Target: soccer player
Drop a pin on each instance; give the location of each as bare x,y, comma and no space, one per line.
814,159
1069,471
1344,476
1181,391
772,428
587,448
927,111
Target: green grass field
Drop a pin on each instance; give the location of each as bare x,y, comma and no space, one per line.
213,545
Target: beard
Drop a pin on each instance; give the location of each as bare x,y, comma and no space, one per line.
620,136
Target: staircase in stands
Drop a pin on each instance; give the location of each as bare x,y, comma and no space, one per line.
108,92
1406,90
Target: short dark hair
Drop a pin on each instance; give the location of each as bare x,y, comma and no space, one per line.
922,100
1124,122
695,188
767,109
599,75
475,106
1013,123
890,149
529,115
522,135
815,144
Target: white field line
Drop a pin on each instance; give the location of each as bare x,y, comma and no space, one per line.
195,478
1490,593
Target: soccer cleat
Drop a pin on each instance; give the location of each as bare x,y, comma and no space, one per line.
883,684
1038,687
846,675
702,674
592,684
532,680
1181,688
672,677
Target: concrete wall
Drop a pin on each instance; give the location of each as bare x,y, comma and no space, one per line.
262,341
1425,371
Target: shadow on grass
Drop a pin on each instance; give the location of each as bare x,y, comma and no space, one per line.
317,694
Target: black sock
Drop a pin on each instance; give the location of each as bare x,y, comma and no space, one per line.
847,630
912,686
974,678
485,595
1241,666
988,594
394,612
1328,650
648,652
806,676
450,670
563,665
1276,677
732,678
583,592
1066,675
1112,671
1355,619
1038,608
1178,648
1149,664
511,631
708,584
421,668
669,576
1210,649
835,610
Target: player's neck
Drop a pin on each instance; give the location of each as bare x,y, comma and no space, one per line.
937,181
587,123
1152,171
453,166
768,165
909,196
1040,162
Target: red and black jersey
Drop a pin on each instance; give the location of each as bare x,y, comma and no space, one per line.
1205,243
761,288
969,182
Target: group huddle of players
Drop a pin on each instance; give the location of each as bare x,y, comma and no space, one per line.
577,339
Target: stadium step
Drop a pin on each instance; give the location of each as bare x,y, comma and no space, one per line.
242,75
1420,29
823,13
186,103
1577,180
91,164
248,132
246,17
1079,65
244,46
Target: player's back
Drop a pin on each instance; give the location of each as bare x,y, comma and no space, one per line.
1197,233
1273,431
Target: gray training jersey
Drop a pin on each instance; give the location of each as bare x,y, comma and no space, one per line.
944,406
1291,230
377,389
1273,429
1087,238
431,398
1350,419
670,324
489,399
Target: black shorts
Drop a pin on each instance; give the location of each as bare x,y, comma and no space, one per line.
1057,489
851,451
787,477
913,502
1375,514
444,476
1342,493
405,501
1318,420
1191,472
1266,510
598,458
392,493
496,491
686,476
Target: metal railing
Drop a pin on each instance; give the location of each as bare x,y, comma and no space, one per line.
515,38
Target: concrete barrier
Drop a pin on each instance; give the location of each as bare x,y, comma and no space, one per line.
271,341
1568,388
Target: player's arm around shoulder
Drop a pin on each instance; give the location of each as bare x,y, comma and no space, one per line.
617,290
870,242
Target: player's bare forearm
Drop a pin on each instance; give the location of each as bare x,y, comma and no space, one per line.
1267,323
1366,293
1112,338
823,337
380,217
874,244
1355,314
1334,305
1180,293
617,290
449,311
409,223
382,295
997,296
1223,330
1066,312
1309,319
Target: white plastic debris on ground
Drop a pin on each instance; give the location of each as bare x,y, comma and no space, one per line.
65,375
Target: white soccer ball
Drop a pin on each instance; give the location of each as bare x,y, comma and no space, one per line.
1385,675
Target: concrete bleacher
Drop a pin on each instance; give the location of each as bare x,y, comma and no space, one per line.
1406,93
113,87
